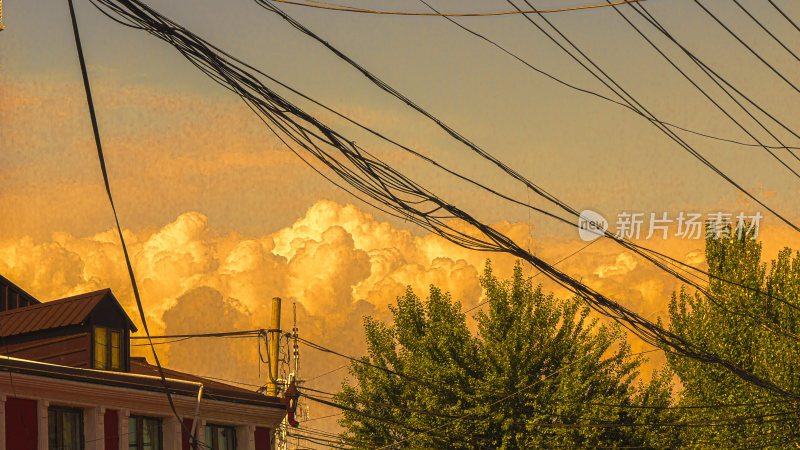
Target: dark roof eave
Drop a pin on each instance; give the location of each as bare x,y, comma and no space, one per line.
124,313
131,381
6,281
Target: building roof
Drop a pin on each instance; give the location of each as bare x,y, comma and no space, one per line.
54,314
179,383
29,299
140,366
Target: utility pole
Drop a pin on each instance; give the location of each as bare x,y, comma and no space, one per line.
275,336
296,352
296,356
276,384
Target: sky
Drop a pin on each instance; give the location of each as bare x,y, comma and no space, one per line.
221,217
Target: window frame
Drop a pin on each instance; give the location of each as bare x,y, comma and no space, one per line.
215,428
108,362
55,419
113,332
140,431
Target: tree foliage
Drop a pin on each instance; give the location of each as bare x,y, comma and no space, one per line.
757,326
534,365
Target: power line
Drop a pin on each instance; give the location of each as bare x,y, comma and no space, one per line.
384,86
101,159
323,374
624,242
363,362
628,244
184,337
392,181
161,343
632,109
759,437
599,404
784,15
711,73
710,99
728,421
316,431
381,419
680,407
327,443
323,417
335,7
744,44
385,185
386,405
775,38
539,273
232,381
628,98
245,333
594,93
670,134
736,420
648,258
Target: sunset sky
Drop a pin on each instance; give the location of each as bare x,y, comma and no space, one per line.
220,217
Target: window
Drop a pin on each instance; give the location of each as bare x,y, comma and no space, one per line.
107,348
116,360
220,437
144,433
65,428
100,348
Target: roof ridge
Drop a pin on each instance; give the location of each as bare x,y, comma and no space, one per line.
57,313
78,296
51,303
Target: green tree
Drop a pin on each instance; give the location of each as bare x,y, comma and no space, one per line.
755,325
535,362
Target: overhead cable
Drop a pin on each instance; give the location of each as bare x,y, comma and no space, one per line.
393,190
335,7
708,97
789,19
101,159
775,38
745,45
595,93
516,175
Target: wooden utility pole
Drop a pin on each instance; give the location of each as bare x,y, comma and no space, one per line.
275,337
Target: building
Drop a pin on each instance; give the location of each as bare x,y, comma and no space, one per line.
68,382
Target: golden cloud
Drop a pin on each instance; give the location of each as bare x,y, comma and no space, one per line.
337,263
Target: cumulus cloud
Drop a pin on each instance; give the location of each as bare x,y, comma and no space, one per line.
622,265
204,310
336,264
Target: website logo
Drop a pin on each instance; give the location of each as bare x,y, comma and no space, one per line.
591,225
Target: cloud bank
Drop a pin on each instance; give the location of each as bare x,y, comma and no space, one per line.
336,263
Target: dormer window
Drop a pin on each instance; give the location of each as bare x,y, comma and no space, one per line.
107,348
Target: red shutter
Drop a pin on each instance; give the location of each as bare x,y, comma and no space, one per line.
21,424
185,436
111,421
262,438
